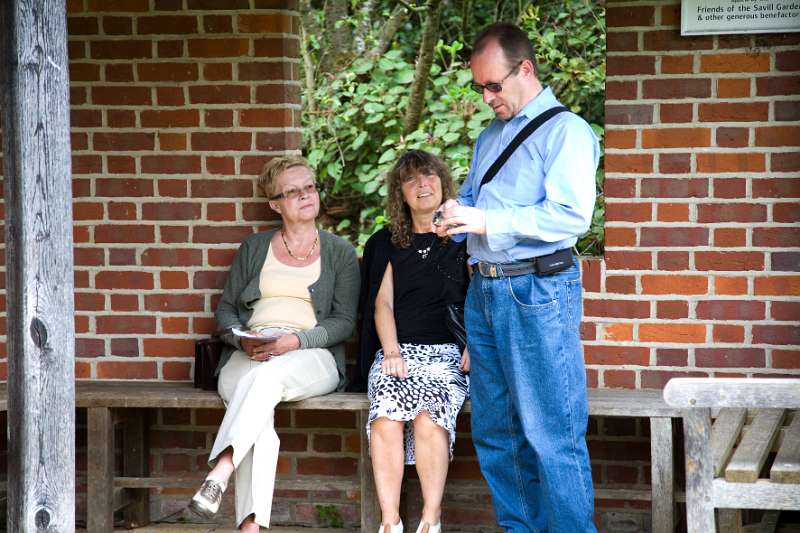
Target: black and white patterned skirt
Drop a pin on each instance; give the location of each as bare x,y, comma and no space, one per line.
434,384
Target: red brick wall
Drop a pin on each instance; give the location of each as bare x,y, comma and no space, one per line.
176,105
700,275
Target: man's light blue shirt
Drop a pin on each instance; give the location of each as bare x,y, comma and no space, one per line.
543,197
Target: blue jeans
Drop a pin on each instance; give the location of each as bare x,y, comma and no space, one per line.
529,401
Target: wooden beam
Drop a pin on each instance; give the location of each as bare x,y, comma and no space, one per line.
750,455
662,474
38,238
733,392
786,468
136,462
370,511
724,433
100,470
699,471
763,494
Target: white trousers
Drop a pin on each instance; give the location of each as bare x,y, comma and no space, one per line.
251,390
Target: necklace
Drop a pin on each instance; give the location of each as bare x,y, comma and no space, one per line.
300,258
423,252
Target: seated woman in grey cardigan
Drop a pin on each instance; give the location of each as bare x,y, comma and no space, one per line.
298,286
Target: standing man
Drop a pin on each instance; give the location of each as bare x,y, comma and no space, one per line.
523,308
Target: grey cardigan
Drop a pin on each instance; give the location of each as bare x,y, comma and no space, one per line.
334,296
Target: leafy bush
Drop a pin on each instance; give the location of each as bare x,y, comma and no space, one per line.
356,133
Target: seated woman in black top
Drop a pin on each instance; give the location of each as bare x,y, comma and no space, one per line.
417,382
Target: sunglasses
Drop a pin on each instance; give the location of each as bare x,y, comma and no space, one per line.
292,193
494,87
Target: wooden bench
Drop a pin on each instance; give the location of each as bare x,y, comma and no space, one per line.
126,402
725,461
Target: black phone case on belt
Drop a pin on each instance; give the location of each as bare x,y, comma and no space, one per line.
555,262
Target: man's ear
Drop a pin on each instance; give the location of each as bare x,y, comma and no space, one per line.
527,67
275,206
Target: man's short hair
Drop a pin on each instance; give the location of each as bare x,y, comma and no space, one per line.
513,41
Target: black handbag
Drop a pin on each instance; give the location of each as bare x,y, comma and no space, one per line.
207,353
455,323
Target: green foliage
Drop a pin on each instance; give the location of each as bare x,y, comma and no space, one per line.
329,515
356,133
570,42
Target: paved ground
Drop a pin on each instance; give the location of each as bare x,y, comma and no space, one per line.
199,528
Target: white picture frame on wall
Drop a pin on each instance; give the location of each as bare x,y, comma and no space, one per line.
715,17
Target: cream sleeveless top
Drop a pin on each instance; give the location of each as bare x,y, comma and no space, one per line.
285,301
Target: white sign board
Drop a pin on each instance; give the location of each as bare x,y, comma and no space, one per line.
704,17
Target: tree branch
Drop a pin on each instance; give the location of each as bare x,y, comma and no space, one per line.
364,26
338,36
424,62
412,8
390,29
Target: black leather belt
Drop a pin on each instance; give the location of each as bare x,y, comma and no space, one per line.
542,265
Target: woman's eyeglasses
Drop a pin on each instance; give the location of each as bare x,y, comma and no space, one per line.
292,193
494,87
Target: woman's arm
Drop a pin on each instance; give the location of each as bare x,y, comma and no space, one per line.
227,314
393,363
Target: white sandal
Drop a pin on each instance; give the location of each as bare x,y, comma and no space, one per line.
388,528
425,527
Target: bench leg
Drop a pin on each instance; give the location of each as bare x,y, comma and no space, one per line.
135,463
100,471
699,471
370,512
662,467
730,520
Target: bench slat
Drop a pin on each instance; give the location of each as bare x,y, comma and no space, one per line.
315,484
763,494
149,394
769,522
786,468
733,392
756,443
630,402
724,433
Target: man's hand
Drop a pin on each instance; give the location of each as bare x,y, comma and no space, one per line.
458,218
437,224
263,351
464,364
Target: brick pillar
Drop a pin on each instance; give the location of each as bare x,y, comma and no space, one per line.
176,106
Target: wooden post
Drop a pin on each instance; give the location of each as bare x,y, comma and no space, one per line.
699,471
370,511
662,476
39,280
136,463
100,471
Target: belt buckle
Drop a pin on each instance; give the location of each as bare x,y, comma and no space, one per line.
487,270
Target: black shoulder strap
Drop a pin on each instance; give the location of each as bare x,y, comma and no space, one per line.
524,133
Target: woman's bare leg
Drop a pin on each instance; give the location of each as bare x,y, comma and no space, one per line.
432,450
224,468
386,451
249,525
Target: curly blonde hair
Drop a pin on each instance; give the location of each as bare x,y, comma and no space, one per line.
275,167
411,163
